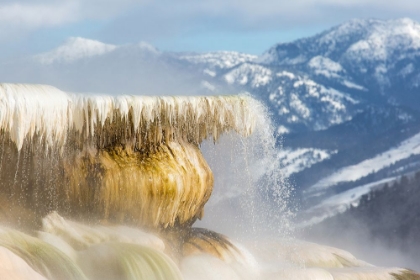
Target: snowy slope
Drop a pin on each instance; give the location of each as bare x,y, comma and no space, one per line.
355,41
351,173
326,67
299,100
323,66
293,161
221,60
252,75
376,56
383,39
339,203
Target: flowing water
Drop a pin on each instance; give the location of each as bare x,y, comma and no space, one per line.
111,187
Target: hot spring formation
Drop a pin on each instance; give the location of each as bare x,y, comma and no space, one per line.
102,187
132,160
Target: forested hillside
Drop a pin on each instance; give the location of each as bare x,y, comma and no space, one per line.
389,216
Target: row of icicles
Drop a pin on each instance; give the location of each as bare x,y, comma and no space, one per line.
27,111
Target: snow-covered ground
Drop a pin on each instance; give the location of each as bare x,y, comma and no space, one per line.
339,203
407,148
221,59
293,161
297,99
254,75
325,67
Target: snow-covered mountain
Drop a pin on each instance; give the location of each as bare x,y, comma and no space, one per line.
352,42
379,56
73,49
297,101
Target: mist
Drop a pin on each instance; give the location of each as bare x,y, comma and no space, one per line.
130,69
251,198
353,235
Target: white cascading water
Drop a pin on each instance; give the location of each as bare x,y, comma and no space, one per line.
102,187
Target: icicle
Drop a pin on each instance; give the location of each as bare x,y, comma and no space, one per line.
29,110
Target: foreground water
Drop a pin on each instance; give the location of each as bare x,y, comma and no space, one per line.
102,187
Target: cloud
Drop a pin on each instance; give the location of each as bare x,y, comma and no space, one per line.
161,19
20,19
50,12
24,15
259,11
273,8
128,21
249,13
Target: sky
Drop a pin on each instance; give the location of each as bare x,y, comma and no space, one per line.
33,26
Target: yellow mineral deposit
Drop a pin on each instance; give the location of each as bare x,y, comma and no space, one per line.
198,240
165,187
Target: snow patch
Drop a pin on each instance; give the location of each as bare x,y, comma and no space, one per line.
282,130
222,59
407,148
407,70
300,99
353,85
299,106
289,75
325,67
246,73
293,161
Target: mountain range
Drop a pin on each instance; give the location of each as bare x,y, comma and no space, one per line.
345,102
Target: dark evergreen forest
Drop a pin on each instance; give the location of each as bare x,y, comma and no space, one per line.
389,216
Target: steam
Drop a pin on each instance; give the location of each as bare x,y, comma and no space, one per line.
127,69
353,236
